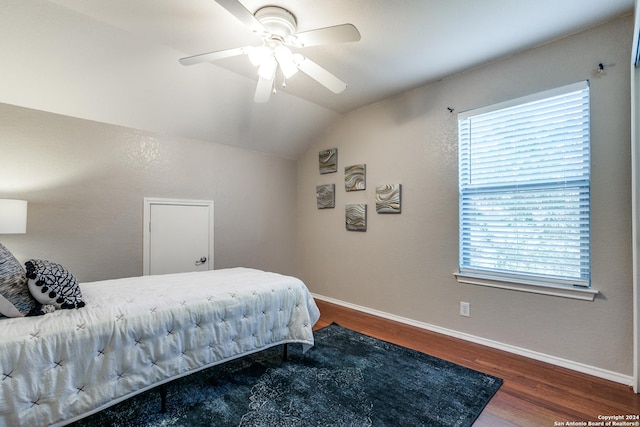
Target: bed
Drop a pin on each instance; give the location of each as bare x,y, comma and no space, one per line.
134,334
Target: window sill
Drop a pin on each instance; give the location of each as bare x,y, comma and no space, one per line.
585,294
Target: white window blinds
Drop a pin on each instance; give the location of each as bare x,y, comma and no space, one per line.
524,187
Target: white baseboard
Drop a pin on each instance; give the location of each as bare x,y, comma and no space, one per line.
565,363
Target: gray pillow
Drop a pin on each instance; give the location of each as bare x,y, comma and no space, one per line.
15,298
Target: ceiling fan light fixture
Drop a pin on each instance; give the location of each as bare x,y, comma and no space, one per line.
284,56
258,54
268,68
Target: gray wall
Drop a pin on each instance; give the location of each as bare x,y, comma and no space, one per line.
85,183
403,264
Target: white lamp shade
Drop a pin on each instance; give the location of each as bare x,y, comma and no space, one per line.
13,216
268,68
259,54
284,56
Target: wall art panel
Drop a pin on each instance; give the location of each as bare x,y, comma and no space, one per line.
326,196
355,177
328,160
356,217
388,198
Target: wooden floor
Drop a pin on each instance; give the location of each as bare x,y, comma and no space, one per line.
533,393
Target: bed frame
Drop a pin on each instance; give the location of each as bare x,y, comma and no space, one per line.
140,333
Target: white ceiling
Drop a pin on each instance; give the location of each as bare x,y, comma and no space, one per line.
405,44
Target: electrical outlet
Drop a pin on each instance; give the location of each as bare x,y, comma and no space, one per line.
465,309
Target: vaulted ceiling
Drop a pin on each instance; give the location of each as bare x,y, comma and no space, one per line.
116,61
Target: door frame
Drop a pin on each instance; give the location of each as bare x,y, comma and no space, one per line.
146,226
635,193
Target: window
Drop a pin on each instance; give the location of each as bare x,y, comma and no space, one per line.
524,176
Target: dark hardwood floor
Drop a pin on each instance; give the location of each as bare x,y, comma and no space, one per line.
533,393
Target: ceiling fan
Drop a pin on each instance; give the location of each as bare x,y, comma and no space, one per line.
277,28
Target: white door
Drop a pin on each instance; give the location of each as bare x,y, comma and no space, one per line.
178,236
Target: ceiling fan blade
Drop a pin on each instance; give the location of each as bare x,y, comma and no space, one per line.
337,34
321,75
212,56
236,8
263,90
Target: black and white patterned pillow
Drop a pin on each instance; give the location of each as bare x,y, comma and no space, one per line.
52,284
15,298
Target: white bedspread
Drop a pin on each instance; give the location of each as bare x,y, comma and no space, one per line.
136,333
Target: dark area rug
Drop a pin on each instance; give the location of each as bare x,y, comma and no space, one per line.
347,379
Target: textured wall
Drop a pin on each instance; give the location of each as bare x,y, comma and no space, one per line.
403,264
85,183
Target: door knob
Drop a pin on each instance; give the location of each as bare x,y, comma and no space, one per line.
201,261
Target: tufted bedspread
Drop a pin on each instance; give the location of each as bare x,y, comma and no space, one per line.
137,333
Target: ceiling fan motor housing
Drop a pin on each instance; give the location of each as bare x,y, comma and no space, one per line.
280,22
